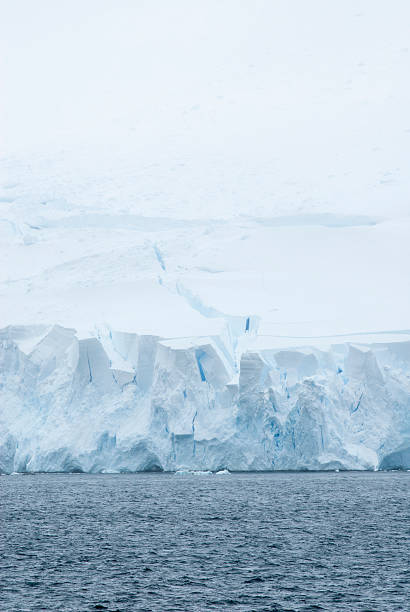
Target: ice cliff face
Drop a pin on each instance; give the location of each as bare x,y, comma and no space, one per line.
126,402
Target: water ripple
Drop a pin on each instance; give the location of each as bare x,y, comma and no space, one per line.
250,542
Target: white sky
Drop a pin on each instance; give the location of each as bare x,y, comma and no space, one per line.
256,105
233,73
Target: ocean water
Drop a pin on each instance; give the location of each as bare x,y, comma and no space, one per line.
250,542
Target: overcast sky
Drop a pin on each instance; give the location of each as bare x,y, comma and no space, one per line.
75,69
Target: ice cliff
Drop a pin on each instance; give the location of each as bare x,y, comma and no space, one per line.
125,402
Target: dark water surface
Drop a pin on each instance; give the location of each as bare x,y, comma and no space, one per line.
284,541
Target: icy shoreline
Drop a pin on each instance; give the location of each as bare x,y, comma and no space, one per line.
122,402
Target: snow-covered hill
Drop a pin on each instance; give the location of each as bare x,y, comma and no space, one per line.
204,235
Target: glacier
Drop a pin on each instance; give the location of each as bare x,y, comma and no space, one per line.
204,236
123,402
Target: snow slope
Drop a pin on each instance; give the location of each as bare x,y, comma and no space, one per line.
204,235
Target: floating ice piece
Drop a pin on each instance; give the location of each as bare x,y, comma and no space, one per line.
193,473
222,472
